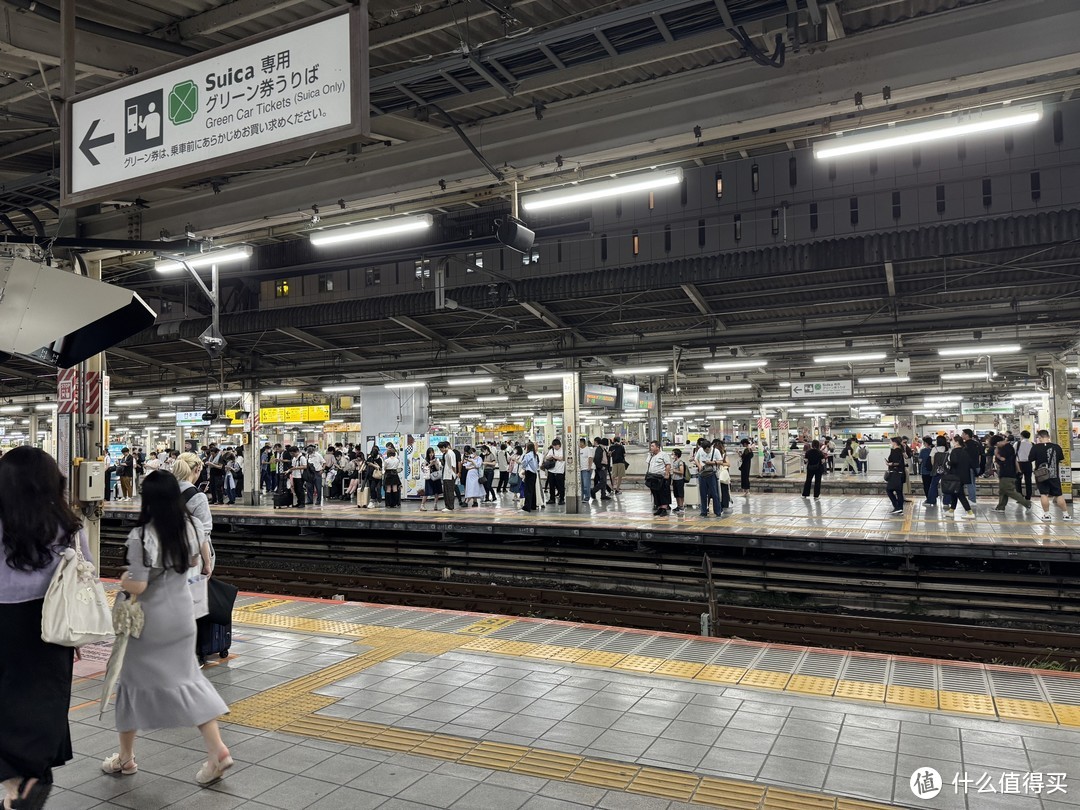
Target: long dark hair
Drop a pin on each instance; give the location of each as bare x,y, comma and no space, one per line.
163,509
34,512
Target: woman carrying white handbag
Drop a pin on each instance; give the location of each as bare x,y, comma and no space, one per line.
44,553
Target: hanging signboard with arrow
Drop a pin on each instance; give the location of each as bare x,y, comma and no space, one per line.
288,90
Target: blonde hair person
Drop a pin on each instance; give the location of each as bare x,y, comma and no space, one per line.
187,469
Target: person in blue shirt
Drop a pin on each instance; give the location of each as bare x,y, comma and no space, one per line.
926,468
530,465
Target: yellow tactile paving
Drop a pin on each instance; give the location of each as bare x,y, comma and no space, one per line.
912,696
601,773
719,674
521,648
729,795
494,755
679,669
780,799
858,690
667,784
485,626
567,654
441,746
811,685
1066,715
639,663
547,764
966,703
483,645
601,659
1030,710
858,804
765,679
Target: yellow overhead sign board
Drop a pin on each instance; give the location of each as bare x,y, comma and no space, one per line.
296,413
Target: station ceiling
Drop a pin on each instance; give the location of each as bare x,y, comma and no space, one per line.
499,68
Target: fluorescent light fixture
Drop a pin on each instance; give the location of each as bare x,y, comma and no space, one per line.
470,416
625,372
735,365
926,131
371,230
587,192
981,349
740,413
138,416
233,254
279,392
784,384
965,375
217,396
45,406
396,385
177,398
888,379
546,375
473,381
1025,398
858,357
493,398
545,396
340,389
166,414
127,402
943,398
11,408
731,387
443,400
523,413
821,403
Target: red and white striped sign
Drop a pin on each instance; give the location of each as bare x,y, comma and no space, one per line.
764,423
93,391
67,390
783,425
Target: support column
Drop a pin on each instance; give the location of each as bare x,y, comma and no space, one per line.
253,493
571,397
91,423
32,432
1060,426
656,420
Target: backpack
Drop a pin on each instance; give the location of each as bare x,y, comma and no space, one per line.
940,458
863,454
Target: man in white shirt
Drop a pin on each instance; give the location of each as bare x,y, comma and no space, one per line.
314,488
658,479
296,477
502,460
557,474
1024,466
451,469
708,460
585,462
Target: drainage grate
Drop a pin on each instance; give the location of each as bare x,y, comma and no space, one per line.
820,665
701,652
539,633
914,674
661,647
599,640
778,659
866,669
1065,691
625,643
574,637
963,679
1015,685
737,655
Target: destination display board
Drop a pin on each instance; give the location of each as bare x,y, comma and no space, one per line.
294,413
599,396
290,89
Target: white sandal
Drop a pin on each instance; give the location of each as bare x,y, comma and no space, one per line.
114,765
210,773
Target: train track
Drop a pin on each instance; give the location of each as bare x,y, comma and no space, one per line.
622,587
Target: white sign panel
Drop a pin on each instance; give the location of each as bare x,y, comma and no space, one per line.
105,396
190,418
278,92
831,388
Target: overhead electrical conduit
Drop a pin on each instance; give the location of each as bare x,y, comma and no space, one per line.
101,29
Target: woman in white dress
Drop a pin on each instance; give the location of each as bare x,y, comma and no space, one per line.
474,489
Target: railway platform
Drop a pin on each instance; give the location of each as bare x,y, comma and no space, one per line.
833,524
351,705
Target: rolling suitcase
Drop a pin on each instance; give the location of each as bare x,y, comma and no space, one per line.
283,498
212,638
363,496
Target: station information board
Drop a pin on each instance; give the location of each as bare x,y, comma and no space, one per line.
828,388
290,89
599,396
295,413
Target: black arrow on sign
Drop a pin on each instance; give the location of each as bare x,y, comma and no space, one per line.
89,142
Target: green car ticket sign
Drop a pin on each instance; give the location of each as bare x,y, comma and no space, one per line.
183,102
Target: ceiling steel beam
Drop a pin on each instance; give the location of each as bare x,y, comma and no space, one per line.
422,24
698,300
834,22
224,16
657,113
418,328
490,78
318,343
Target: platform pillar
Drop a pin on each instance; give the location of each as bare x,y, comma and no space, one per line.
1060,426
252,485
571,391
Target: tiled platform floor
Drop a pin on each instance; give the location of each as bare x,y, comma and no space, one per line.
340,705
764,515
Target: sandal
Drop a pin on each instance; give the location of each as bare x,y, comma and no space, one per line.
210,773
32,796
114,765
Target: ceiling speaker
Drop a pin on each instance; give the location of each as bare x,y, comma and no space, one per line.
513,233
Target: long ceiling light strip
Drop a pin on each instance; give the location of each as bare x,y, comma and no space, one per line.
735,365
371,230
979,350
588,192
927,131
843,359
235,254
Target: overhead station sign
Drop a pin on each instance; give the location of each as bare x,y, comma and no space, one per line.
829,388
292,89
295,413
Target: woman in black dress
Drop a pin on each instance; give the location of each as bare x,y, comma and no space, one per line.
815,466
746,458
894,481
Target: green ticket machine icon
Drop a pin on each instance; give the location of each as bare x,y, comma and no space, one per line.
183,102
